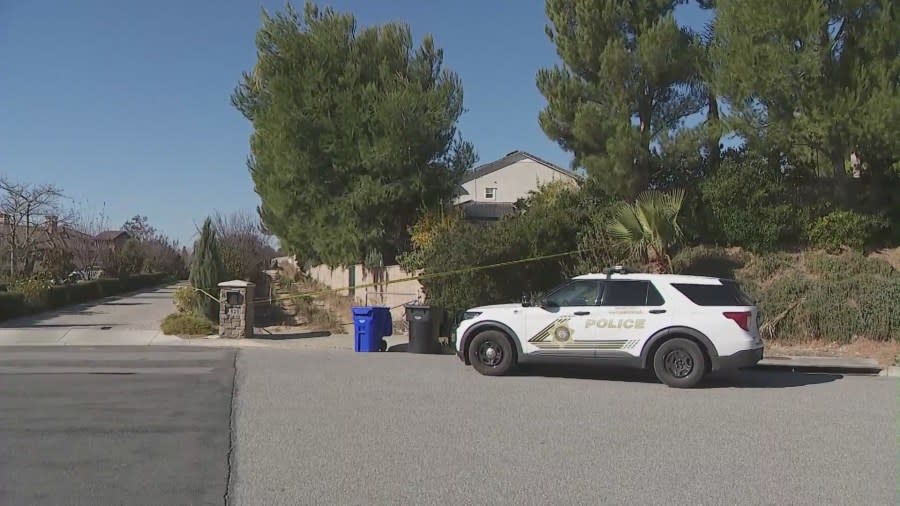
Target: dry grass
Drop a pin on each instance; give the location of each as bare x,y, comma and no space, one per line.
891,256
187,325
307,304
885,353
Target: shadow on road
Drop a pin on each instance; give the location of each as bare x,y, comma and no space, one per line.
71,325
768,379
732,379
263,336
125,304
404,348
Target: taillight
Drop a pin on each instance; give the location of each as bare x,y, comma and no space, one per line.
742,318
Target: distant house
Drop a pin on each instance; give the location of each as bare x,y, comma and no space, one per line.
490,191
45,236
112,238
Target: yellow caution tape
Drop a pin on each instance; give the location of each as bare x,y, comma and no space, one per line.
410,278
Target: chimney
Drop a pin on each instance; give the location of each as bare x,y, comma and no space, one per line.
52,223
4,219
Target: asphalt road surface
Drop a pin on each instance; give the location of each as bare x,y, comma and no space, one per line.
331,427
109,425
152,425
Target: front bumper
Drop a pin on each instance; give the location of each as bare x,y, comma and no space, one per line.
741,359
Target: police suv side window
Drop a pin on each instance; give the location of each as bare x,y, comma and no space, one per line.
631,293
582,292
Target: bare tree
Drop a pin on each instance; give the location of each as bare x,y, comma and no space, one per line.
31,223
245,244
87,252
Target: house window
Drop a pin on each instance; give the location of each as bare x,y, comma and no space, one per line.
490,193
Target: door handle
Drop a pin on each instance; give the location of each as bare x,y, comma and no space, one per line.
582,313
657,311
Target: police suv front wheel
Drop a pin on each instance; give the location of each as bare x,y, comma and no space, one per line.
679,363
491,353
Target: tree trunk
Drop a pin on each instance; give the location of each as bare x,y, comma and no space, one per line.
839,174
712,119
642,168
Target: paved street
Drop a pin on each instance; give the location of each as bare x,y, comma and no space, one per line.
150,425
331,427
97,426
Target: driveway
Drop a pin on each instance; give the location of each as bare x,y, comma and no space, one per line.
126,319
333,427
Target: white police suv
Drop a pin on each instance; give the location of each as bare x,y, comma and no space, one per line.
681,327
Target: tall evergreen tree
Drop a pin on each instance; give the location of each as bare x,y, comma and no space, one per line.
354,132
813,80
625,83
207,270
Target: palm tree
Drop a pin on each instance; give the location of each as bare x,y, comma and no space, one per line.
649,227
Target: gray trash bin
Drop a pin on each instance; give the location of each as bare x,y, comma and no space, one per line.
424,324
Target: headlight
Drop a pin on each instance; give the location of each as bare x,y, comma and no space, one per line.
468,315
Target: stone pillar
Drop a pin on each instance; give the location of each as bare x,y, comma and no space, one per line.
236,309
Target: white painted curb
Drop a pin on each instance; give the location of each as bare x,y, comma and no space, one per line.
892,371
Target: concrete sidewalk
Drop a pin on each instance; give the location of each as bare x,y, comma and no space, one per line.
72,336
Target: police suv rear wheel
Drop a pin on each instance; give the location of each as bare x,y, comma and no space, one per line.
679,363
491,353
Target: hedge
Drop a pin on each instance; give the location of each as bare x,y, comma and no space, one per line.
13,304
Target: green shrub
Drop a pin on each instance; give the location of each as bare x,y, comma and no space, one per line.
750,204
845,229
817,295
546,223
706,261
761,268
847,264
187,324
184,299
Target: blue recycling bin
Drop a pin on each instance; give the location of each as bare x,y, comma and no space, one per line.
370,325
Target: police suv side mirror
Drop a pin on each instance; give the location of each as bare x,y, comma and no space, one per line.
526,300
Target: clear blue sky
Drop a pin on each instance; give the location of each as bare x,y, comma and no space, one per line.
125,104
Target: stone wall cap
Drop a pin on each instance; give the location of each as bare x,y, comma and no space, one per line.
237,283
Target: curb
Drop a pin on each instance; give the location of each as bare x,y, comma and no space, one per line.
862,371
892,372
826,364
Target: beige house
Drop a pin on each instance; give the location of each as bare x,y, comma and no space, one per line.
491,190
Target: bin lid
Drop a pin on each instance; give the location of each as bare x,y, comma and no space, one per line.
362,310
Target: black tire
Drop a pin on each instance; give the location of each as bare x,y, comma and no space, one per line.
491,353
679,363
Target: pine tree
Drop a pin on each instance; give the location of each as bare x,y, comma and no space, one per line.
207,271
624,84
354,132
813,80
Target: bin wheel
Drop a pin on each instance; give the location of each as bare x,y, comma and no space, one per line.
383,345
